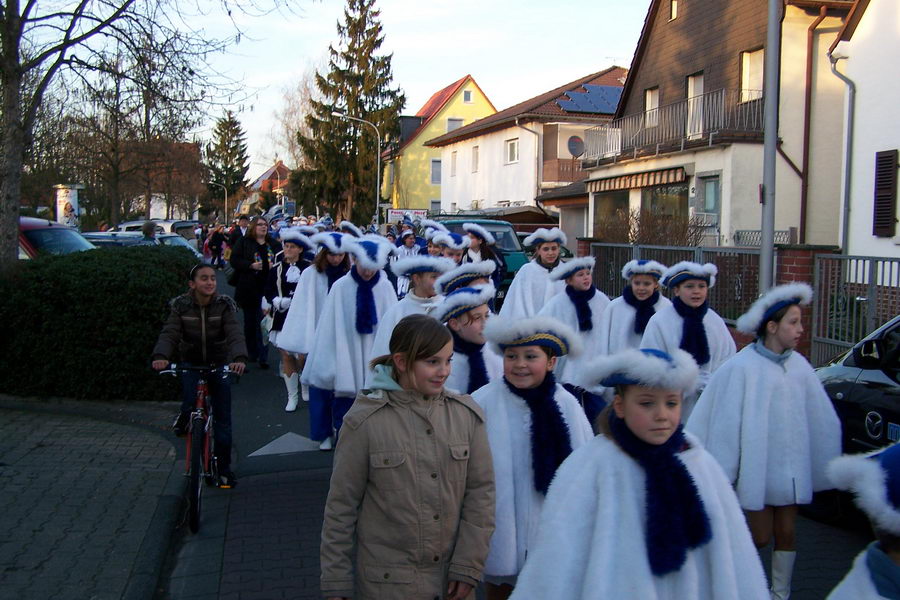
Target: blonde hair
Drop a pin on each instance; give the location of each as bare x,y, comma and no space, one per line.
416,337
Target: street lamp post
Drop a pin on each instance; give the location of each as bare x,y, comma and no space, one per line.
225,189
341,115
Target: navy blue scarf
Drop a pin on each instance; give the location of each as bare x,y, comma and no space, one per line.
644,309
334,273
550,443
366,313
582,308
693,333
676,518
478,376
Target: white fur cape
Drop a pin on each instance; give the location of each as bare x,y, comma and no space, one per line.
410,305
592,535
339,356
664,333
518,504
857,584
561,308
458,381
771,427
616,331
529,292
298,330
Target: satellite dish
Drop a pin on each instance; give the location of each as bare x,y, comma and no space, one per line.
576,146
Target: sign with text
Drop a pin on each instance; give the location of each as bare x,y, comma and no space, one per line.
396,214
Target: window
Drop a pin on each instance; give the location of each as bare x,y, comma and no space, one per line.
475,159
511,148
673,10
708,195
467,96
435,206
454,124
666,200
884,219
436,171
651,107
752,68
503,203
695,105
453,164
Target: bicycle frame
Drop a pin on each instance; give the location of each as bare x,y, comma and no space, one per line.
203,413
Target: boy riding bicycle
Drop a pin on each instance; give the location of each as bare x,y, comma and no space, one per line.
203,330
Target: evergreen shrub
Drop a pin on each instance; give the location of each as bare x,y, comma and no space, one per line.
84,325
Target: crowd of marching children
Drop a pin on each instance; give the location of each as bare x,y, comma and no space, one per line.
571,446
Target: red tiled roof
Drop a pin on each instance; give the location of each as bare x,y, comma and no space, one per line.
543,105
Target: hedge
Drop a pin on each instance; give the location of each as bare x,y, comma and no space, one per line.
84,325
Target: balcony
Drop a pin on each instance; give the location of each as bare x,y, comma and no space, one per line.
715,117
566,170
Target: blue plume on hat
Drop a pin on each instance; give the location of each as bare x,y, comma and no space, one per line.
334,242
371,253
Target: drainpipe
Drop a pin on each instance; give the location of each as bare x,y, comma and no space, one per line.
807,116
848,148
538,163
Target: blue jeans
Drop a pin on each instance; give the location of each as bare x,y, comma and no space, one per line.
326,412
220,398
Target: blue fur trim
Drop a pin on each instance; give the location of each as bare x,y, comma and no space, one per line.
644,309
333,273
478,376
551,443
676,518
693,333
366,312
582,307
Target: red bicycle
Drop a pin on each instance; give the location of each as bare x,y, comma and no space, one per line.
200,459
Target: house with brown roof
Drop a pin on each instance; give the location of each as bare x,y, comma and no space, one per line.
511,157
414,172
687,138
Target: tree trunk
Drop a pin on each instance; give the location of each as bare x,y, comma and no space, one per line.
11,167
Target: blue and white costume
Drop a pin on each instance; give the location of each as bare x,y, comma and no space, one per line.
619,327
532,287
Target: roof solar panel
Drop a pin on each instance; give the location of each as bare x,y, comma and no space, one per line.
595,99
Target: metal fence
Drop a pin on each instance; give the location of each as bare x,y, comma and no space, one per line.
737,284
854,295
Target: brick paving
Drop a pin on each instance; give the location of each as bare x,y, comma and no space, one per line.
78,496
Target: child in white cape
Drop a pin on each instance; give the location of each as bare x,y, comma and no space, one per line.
642,511
623,322
531,288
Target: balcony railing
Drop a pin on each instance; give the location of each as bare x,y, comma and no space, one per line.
563,169
692,121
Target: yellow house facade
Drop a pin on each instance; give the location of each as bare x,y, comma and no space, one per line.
413,172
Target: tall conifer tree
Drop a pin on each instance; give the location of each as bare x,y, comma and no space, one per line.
342,153
226,156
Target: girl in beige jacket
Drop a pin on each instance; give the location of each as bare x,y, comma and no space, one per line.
412,490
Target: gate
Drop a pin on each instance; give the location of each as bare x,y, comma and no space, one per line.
853,296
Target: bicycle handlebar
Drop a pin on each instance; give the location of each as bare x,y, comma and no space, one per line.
174,369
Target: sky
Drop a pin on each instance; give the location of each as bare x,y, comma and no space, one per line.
515,49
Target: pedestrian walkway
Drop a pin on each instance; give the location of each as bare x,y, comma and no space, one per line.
81,505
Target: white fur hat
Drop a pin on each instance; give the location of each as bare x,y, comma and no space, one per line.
533,331
350,228
543,234
370,252
451,240
334,242
481,232
770,303
462,300
463,275
404,267
431,227
874,478
307,230
681,272
295,236
643,267
647,367
564,270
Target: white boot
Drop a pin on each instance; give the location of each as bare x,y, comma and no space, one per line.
327,444
305,394
291,382
782,571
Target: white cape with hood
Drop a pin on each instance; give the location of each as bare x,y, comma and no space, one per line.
561,308
518,503
616,332
306,306
771,427
409,305
339,356
592,535
857,584
530,289
458,381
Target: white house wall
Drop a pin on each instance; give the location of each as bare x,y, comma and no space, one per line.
872,64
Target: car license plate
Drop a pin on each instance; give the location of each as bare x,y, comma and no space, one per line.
893,432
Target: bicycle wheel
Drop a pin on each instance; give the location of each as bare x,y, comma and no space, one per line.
196,489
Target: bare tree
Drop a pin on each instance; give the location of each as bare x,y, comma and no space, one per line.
290,118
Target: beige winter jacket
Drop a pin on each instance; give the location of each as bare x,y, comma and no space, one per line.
413,490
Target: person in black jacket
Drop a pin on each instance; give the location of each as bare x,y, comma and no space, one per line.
251,259
202,330
239,231
216,246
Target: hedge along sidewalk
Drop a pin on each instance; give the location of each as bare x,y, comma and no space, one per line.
92,496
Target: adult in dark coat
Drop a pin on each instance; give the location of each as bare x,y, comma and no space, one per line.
243,226
251,258
216,246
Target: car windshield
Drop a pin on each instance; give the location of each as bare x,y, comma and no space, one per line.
174,240
504,234
57,240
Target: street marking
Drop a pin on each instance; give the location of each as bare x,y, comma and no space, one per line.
289,443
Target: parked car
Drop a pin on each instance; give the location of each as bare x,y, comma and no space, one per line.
114,238
42,236
183,227
174,239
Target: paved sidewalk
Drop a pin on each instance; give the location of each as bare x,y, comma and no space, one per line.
87,505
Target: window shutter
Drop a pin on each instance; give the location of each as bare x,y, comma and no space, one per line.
884,220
